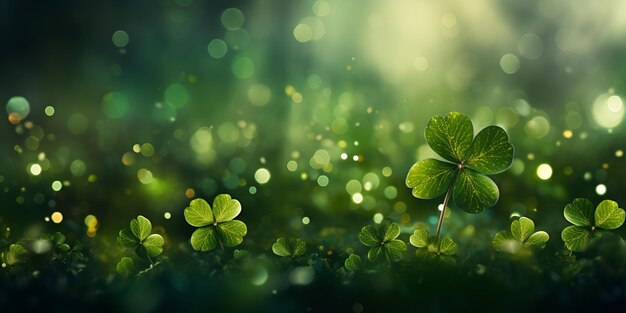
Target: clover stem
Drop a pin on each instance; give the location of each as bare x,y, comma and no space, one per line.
446,199
150,260
219,239
388,259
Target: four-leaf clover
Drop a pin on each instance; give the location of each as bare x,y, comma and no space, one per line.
469,160
382,242
140,237
589,223
291,247
215,225
522,235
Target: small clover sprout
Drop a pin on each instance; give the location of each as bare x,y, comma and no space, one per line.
433,249
14,255
58,240
382,241
289,247
216,225
469,160
590,223
140,237
353,263
125,266
522,236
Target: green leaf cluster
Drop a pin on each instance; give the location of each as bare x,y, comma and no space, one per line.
382,242
58,240
432,250
289,247
125,266
469,160
140,237
590,223
215,225
521,236
15,254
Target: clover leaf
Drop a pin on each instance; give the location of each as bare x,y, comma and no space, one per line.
216,225
590,223
522,235
432,249
353,263
14,255
58,240
140,237
382,242
291,247
125,266
468,161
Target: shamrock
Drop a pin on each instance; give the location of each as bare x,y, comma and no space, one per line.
291,247
215,225
140,237
589,224
382,241
432,249
522,235
469,160
14,255
58,239
353,263
125,266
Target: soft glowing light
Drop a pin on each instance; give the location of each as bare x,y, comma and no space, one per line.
601,189
57,217
35,169
378,218
509,63
357,198
262,176
344,156
544,171
323,180
167,215
57,185
49,110
306,220
608,111
120,38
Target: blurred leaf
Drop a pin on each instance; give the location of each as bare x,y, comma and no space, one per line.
353,263
125,266
15,254
153,245
126,238
419,238
521,238
291,247
522,229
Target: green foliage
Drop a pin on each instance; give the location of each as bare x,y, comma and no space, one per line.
382,242
590,223
216,225
125,266
14,255
468,160
353,263
433,250
521,236
140,237
289,247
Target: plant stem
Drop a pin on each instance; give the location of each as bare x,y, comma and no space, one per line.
219,239
446,199
388,259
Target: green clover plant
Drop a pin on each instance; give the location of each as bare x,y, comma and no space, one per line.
382,242
215,225
521,236
15,254
590,223
289,247
140,237
353,263
468,161
125,266
432,249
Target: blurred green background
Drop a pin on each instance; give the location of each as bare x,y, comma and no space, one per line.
308,112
